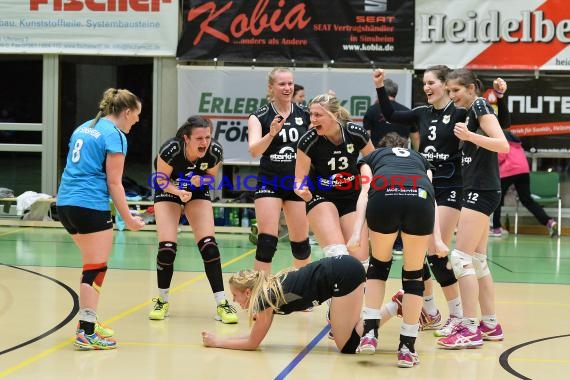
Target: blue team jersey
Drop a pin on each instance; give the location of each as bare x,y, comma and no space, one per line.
84,180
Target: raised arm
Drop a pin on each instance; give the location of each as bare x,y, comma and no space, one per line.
257,142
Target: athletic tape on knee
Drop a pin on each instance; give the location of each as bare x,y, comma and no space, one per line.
480,265
266,247
301,249
459,260
443,275
209,249
335,250
94,274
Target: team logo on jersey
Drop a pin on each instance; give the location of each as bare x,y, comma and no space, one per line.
350,148
446,119
203,166
299,120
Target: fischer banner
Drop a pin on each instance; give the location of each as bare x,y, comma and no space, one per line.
357,31
88,27
228,95
490,34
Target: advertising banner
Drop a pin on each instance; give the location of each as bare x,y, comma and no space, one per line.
305,31
88,27
539,106
488,34
228,95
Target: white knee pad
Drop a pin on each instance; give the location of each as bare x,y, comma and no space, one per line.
480,265
335,250
459,260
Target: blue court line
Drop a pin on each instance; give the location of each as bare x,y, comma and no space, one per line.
283,374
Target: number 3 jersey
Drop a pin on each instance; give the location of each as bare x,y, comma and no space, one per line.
279,158
84,179
333,166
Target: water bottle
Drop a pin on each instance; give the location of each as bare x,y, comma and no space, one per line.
234,218
245,218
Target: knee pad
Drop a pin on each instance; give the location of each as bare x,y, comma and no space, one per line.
209,249
442,274
426,275
166,253
351,344
412,282
459,260
378,270
93,275
301,249
335,250
480,265
266,247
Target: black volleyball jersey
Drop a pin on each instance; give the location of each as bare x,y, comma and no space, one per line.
334,165
393,168
279,157
308,286
438,143
172,152
480,166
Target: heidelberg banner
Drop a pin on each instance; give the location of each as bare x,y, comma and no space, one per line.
491,35
355,31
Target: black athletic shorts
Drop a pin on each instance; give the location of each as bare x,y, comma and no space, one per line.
411,212
82,220
344,205
163,196
449,196
483,201
284,191
347,275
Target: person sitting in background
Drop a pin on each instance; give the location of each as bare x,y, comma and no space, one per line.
514,170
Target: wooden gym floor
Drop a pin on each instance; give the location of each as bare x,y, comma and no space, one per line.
39,273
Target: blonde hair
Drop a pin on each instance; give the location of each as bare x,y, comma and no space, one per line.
271,80
266,289
114,102
331,104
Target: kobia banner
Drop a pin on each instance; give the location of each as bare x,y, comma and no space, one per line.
490,34
356,31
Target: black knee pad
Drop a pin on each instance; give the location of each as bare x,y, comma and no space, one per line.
412,282
352,344
442,274
94,274
266,247
209,249
166,253
378,270
426,274
301,249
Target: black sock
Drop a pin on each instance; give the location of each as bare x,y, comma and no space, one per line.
408,341
88,327
371,324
